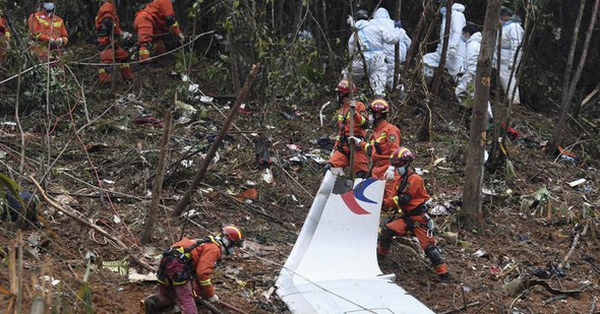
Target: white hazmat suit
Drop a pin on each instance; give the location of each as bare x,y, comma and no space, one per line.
466,86
512,36
372,39
382,17
454,59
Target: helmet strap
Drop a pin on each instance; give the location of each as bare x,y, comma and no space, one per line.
379,117
227,245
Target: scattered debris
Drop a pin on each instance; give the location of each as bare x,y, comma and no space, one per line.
267,176
548,272
120,267
134,277
535,199
480,253
576,182
149,120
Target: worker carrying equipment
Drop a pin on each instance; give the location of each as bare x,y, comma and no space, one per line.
4,36
407,198
47,32
108,31
153,22
340,156
384,139
185,270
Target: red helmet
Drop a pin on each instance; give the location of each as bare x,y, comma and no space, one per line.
343,87
380,105
401,156
233,234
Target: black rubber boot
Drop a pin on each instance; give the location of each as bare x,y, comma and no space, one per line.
150,305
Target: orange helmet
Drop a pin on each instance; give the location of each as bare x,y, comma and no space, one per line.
401,157
233,234
343,87
380,105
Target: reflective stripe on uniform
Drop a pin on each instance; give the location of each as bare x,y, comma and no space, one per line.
205,282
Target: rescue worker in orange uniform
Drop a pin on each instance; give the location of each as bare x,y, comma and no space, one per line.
4,36
341,151
185,270
48,32
407,198
384,139
107,30
151,23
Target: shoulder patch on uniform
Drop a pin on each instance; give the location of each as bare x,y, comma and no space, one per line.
392,138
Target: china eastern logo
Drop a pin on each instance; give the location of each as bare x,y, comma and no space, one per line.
350,197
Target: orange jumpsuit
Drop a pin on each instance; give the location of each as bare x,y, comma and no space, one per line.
410,204
107,25
178,285
4,37
341,154
382,142
153,22
43,28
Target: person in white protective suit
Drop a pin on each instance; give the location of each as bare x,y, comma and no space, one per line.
456,48
382,17
372,39
512,36
465,90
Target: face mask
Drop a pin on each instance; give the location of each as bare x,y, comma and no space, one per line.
371,118
401,170
48,6
443,10
338,97
464,39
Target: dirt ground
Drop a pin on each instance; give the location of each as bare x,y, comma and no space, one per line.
518,241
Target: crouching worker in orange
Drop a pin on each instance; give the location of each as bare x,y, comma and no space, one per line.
108,29
384,140
408,199
341,151
4,37
185,270
48,32
151,23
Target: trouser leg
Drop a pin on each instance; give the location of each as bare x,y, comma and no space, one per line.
185,298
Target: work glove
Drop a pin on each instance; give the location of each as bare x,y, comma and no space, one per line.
389,173
52,41
355,139
326,167
126,35
214,299
350,20
452,52
352,103
398,24
182,38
